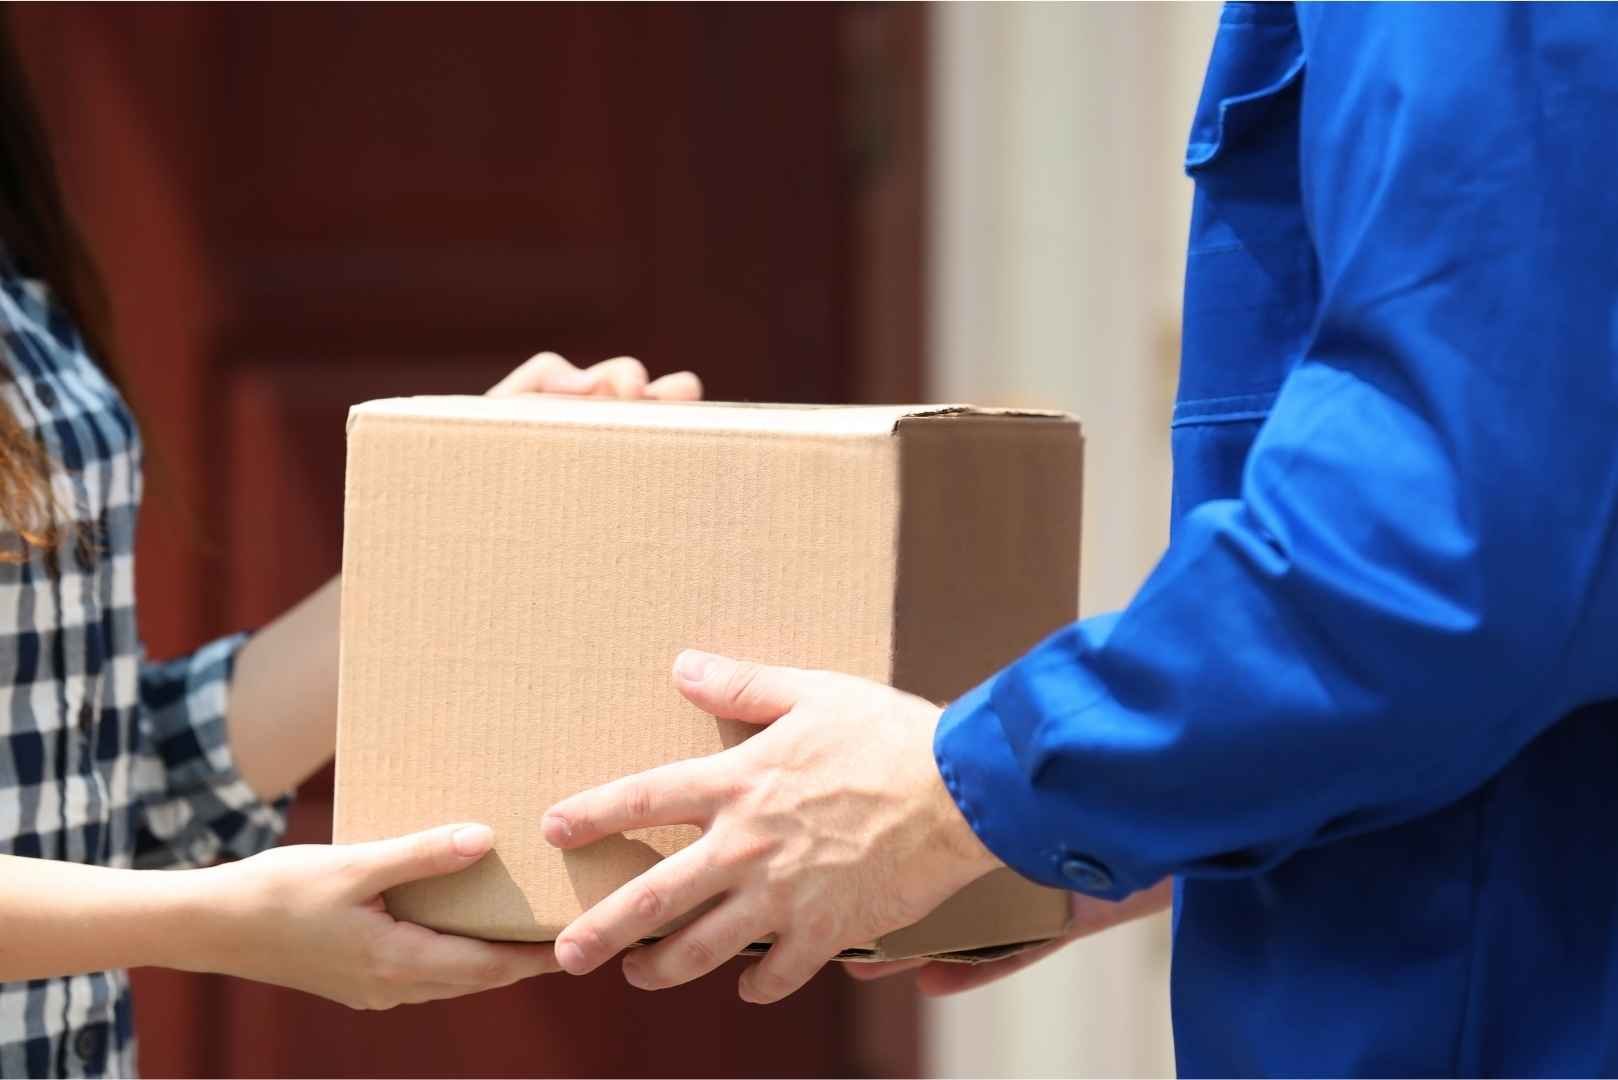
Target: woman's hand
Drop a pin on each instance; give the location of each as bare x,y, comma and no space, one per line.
620,377
1090,916
311,917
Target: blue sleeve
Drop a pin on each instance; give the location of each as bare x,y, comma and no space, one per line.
1418,574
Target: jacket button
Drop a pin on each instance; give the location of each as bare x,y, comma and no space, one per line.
45,395
1086,874
90,1043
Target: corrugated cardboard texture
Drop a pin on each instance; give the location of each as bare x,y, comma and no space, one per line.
988,566
519,574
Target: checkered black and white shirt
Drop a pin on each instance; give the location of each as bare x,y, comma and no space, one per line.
107,759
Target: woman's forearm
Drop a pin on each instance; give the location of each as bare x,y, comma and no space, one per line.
59,918
309,917
283,702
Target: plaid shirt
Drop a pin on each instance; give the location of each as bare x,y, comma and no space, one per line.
107,759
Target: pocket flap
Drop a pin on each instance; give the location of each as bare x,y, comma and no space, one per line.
1256,55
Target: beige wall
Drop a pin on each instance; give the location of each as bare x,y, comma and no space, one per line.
1057,232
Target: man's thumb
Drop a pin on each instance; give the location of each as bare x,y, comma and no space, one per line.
738,689
431,853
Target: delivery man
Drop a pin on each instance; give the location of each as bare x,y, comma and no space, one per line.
1364,713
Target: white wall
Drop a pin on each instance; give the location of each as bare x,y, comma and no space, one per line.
1058,227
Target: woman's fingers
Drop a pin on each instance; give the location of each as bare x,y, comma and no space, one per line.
545,373
430,957
679,386
620,377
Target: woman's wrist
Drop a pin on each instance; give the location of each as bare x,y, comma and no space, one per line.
195,916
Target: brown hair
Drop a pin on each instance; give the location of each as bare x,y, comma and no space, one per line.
41,242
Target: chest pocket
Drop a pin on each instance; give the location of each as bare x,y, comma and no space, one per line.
1251,286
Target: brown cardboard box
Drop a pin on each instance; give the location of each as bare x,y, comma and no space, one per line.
519,573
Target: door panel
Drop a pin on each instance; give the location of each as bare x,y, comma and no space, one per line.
301,207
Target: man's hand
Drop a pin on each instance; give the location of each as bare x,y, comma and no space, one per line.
621,377
1090,916
827,830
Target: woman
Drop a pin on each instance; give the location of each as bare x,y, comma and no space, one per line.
113,767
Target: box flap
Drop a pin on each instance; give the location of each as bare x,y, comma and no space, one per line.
684,415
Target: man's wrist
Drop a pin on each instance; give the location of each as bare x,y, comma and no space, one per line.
969,850
953,832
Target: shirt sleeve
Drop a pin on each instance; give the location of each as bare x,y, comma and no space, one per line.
1418,574
195,806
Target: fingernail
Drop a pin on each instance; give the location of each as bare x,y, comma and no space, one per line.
634,976
557,829
692,666
576,382
570,957
470,840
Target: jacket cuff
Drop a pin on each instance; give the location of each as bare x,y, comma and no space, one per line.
1001,804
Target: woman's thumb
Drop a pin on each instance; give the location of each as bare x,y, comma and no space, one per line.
431,853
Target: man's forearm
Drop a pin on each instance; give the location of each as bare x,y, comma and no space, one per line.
283,703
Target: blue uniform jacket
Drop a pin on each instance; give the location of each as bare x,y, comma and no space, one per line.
1365,709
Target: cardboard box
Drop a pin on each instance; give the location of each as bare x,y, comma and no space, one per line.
519,574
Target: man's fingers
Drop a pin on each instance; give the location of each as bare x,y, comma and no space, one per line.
881,970
546,373
639,909
621,377
382,864
740,689
680,386
684,793
1090,916
784,969
941,980
693,951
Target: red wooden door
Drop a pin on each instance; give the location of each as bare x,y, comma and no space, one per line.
299,208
